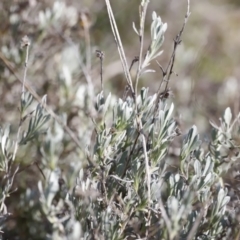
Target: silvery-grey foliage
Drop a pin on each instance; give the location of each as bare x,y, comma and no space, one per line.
101,190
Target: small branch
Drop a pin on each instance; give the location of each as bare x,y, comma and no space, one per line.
24,44
127,88
122,180
29,165
148,178
163,72
119,45
169,69
104,189
177,41
143,11
136,59
148,175
40,170
100,55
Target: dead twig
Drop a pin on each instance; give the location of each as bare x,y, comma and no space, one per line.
100,55
167,73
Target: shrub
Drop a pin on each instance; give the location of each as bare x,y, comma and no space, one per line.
124,178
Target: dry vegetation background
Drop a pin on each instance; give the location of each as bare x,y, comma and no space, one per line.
207,78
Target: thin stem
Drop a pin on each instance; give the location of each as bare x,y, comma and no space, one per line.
177,42
148,177
169,69
31,164
133,61
120,47
25,69
100,55
101,72
143,11
25,43
127,88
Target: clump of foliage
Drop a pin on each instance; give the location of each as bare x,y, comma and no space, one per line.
122,177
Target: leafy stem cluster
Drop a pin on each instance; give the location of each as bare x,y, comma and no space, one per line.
119,175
